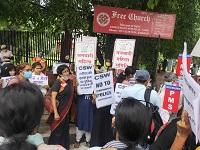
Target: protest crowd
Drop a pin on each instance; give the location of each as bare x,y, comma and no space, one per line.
111,108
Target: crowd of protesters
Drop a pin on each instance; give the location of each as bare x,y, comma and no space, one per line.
130,127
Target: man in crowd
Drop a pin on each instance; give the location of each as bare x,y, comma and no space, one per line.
137,91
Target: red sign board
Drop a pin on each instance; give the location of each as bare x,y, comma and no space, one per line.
179,65
133,22
171,98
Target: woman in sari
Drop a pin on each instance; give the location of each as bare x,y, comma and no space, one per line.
62,94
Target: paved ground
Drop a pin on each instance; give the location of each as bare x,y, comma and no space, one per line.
44,130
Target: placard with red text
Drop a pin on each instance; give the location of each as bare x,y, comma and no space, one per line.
123,53
85,51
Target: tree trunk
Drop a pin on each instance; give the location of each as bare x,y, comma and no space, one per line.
66,42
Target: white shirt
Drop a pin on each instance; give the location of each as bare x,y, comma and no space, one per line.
137,91
42,88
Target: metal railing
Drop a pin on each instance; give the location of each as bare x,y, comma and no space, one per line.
27,45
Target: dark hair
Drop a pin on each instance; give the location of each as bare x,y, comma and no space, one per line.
18,146
123,75
132,121
61,68
35,64
129,71
21,67
6,68
21,108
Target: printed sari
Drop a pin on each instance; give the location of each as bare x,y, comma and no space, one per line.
64,97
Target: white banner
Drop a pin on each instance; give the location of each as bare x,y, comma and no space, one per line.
196,49
90,39
5,80
39,80
191,97
85,50
55,66
123,53
85,79
104,89
118,90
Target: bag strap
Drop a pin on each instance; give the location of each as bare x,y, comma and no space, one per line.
147,95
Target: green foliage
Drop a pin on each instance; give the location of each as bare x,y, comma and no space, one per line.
55,15
186,29
77,15
152,3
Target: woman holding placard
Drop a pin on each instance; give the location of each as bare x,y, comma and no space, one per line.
101,130
37,71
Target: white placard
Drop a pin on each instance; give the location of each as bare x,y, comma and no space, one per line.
5,80
191,97
85,50
104,89
85,79
41,80
55,66
164,114
196,49
123,53
118,90
92,40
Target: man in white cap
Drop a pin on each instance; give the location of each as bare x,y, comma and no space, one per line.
137,91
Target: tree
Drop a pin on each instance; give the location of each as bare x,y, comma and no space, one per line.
55,15
77,15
